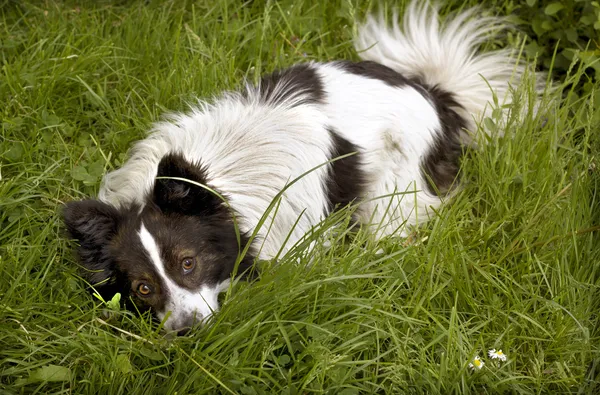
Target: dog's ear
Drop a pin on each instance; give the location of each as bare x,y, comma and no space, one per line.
177,196
93,224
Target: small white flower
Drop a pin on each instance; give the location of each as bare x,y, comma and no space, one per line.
477,363
497,354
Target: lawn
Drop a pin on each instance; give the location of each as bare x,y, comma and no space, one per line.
511,263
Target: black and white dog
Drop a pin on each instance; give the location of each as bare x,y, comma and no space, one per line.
405,111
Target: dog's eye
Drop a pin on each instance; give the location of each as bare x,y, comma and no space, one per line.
188,265
144,289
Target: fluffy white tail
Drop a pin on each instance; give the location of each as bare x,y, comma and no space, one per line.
444,54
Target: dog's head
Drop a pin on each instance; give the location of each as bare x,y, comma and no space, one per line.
174,254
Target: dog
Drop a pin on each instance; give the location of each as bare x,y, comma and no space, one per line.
385,134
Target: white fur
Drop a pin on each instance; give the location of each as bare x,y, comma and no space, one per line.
186,307
252,150
384,123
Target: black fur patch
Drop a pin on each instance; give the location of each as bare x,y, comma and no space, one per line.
176,196
95,225
441,164
346,179
300,80
375,71
92,223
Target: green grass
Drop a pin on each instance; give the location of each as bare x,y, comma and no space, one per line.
512,262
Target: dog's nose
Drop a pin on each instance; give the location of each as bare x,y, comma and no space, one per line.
186,324
184,331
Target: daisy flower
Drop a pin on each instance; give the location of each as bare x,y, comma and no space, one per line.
477,363
497,354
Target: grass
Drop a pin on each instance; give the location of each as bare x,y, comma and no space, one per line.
511,263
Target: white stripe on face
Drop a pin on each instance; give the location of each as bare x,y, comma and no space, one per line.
183,304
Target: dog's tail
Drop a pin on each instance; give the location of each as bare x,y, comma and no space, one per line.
444,55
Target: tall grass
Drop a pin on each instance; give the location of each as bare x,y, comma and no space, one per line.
510,263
